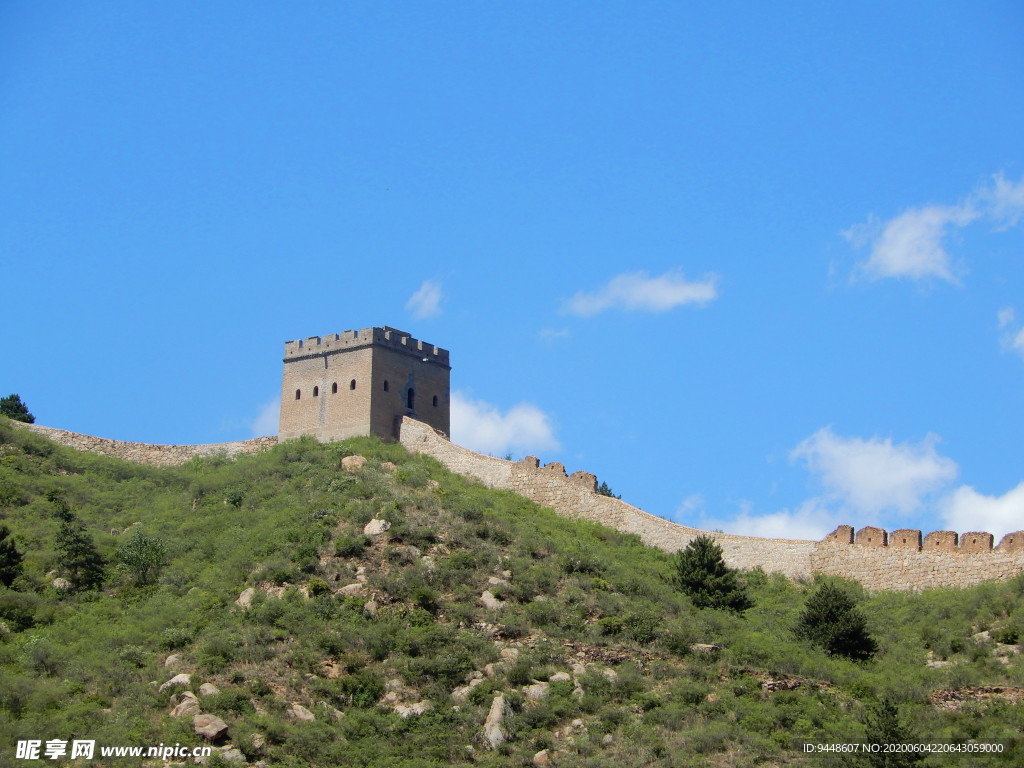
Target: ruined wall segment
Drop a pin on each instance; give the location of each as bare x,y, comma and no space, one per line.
879,560
150,453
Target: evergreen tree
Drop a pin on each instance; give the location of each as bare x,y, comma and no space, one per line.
78,555
12,407
10,558
884,726
605,490
703,575
832,621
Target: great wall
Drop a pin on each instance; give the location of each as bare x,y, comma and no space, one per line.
900,560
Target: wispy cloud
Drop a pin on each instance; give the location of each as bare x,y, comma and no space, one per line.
810,521
636,292
483,427
551,334
868,476
1013,338
266,420
967,510
426,302
912,246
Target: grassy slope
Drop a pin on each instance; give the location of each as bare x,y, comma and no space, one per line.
82,664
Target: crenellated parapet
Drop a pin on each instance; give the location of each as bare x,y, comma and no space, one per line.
971,543
384,336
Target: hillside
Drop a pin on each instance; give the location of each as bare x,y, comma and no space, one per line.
327,646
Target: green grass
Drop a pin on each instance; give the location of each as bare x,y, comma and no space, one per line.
83,663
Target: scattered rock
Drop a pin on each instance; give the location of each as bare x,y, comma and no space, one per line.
330,669
182,679
371,607
62,584
210,727
388,466
418,708
494,581
208,689
982,637
492,669
536,692
494,733
232,755
579,669
462,693
172,661
577,724
352,589
607,739
259,741
353,463
188,706
541,758
490,602
245,599
428,562
705,648
560,677
433,484
611,674
376,527
507,575
510,653
298,712
1004,650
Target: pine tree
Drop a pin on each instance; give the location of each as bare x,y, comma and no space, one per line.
832,621
12,407
703,575
79,556
884,726
10,558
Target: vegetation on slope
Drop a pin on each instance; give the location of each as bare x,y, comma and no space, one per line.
600,656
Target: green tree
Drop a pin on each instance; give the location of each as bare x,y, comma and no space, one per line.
142,557
605,490
884,726
703,575
832,621
12,407
10,558
78,555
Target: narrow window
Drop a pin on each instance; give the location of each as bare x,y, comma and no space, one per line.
435,401
352,384
298,394
385,385
412,398
334,388
316,391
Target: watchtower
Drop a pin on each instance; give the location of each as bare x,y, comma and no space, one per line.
361,383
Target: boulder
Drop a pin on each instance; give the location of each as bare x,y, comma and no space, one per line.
560,677
182,679
172,661
188,706
208,689
210,727
300,713
245,599
494,734
62,585
408,710
352,589
353,463
376,527
489,601
536,692
233,755
541,758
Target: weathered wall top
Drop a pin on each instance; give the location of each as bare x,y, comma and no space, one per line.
385,336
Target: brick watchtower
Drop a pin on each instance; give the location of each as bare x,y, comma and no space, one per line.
361,383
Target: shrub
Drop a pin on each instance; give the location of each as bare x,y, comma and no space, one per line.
350,546
142,557
703,575
832,621
10,558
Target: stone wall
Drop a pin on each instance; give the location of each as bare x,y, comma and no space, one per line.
878,560
149,453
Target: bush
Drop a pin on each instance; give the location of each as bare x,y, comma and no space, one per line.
10,558
142,557
832,621
703,575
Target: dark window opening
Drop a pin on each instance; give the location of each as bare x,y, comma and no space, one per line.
352,384
298,393
334,388
411,399
385,385
316,391
435,401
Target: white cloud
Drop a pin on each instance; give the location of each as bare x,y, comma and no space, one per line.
482,427
635,291
1006,316
967,510
266,421
426,302
910,245
551,334
868,476
1013,340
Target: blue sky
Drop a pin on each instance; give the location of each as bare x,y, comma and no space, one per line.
757,266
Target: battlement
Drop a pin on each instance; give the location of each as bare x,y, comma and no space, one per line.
973,542
390,338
